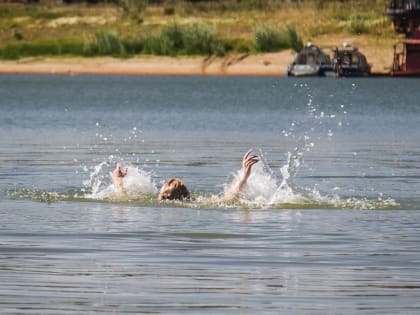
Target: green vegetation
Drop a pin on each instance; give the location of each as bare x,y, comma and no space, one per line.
193,39
269,39
104,43
178,27
41,48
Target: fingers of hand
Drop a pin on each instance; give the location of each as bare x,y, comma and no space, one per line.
251,160
247,154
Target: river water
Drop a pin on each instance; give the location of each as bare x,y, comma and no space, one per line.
329,222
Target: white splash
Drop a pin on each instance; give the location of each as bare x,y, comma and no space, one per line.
265,189
95,180
137,182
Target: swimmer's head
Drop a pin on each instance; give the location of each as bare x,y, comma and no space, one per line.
174,189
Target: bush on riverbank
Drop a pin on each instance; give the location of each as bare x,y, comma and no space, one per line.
104,43
269,39
173,40
42,48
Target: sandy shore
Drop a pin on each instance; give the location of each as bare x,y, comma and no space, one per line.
265,64
273,64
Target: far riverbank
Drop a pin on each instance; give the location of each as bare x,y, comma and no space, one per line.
269,64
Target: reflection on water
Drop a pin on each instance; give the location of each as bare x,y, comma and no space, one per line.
328,224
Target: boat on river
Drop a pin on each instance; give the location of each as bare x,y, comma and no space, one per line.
310,61
348,61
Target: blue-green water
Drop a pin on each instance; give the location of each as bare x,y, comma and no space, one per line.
328,224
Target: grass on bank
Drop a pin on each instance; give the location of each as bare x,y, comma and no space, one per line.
182,27
173,40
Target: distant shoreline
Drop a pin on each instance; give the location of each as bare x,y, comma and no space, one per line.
270,64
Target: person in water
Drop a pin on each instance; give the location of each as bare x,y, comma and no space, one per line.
175,189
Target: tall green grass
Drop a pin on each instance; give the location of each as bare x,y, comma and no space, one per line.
270,39
41,48
105,42
199,39
358,25
172,40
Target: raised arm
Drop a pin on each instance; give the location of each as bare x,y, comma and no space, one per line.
248,161
117,177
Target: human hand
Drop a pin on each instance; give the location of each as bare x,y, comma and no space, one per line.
118,173
248,161
117,177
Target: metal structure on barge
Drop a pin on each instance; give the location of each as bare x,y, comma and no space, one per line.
407,58
405,15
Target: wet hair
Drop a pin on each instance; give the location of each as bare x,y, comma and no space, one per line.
174,189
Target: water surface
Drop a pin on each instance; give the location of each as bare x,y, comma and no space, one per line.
328,224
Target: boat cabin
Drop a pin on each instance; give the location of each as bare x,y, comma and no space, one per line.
405,15
407,60
310,61
349,61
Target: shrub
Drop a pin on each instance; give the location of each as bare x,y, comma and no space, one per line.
295,41
358,25
174,40
41,48
171,40
269,39
74,48
221,47
197,40
151,44
104,42
133,46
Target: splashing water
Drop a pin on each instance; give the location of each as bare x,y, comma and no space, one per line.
95,180
137,183
266,189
